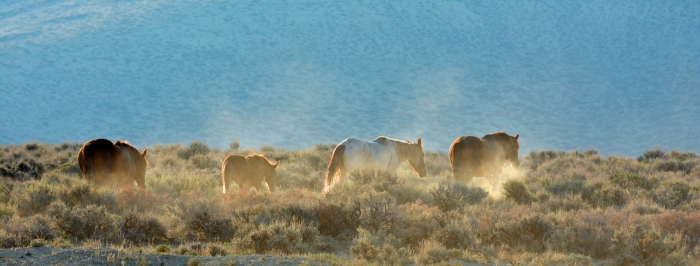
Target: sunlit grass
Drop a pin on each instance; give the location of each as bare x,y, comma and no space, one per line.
557,208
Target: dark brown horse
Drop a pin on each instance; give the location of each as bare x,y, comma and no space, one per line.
105,163
471,156
249,170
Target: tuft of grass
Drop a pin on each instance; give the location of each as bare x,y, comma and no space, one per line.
194,262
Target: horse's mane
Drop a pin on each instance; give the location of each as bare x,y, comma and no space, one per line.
496,136
123,143
128,145
383,139
260,156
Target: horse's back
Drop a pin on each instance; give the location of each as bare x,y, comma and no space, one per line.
233,162
361,155
466,150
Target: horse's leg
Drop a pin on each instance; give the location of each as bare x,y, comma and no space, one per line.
260,187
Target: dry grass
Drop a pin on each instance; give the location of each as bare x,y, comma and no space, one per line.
558,208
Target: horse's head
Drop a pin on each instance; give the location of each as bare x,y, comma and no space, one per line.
141,163
511,149
415,158
271,175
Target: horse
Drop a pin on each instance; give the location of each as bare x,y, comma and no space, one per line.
105,163
471,156
380,154
249,170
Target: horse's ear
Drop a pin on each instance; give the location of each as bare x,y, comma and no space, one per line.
144,153
516,136
418,142
277,164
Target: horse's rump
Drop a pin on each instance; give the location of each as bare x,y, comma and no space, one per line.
471,156
104,162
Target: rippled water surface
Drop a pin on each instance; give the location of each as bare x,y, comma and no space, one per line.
620,77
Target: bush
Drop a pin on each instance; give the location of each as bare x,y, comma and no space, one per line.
195,148
334,219
21,232
432,252
528,234
609,197
651,154
516,191
34,199
137,229
201,161
203,226
283,238
83,223
454,196
673,194
379,247
214,250
571,187
638,245
455,235
575,236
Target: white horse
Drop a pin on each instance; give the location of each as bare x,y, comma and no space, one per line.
380,154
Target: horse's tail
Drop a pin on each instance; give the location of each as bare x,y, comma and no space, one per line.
224,173
337,164
83,163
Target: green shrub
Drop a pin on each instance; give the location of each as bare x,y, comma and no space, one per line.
138,229
516,191
203,226
195,148
673,194
379,247
213,249
283,238
571,187
528,234
453,196
194,262
20,232
163,248
455,235
84,222
201,161
432,252
335,219
640,245
651,155
609,197
34,198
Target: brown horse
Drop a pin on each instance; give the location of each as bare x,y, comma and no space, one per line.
380,154
105,163
249,170
471,156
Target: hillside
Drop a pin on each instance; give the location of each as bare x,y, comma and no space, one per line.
557,208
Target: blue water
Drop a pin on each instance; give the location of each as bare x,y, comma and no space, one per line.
621,77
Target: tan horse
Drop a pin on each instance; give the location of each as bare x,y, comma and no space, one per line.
105,163
249,170
380,154
471,156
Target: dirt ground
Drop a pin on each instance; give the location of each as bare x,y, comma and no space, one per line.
79,256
